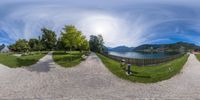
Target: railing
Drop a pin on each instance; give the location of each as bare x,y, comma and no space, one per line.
143,62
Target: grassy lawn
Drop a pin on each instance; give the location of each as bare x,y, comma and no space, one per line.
12,61
67,59
198,56
148,74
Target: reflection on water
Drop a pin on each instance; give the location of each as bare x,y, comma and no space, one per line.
142,55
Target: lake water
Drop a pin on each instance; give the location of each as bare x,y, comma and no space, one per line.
142,55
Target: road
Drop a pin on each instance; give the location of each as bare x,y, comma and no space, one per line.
91,80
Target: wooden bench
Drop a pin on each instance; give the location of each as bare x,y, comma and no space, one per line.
84,57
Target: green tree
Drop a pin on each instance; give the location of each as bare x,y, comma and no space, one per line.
21,45
60,45
33,43
83,44
12,47
40,46
48,39
96,43
72,38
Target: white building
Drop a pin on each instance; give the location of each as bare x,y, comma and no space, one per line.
4,49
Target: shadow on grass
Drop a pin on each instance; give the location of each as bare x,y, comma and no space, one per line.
68,53
62,56
41,67
60,53
25,62
137,74
68,58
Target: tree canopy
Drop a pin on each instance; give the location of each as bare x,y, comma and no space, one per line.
73,39
48,39
21,45
96,43
35,44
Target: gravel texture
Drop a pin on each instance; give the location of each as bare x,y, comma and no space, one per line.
91,80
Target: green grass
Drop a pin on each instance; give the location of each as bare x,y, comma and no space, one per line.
67,59
146,74
12,61
198,56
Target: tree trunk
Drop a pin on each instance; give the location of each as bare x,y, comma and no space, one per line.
70,49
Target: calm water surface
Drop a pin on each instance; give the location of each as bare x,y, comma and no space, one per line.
142,55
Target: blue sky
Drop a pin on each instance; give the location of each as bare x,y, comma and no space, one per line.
121,22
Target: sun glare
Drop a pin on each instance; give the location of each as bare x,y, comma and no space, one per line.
106,25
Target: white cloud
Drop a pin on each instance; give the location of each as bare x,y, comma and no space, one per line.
131,22
113,29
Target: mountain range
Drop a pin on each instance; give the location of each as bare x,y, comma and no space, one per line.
184,46
167,47
121,49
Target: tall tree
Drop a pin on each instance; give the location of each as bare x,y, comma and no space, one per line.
33,43
48,39
40,46
96,43
83,44
21,45
72,38
60,45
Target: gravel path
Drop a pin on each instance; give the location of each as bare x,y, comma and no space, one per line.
91,80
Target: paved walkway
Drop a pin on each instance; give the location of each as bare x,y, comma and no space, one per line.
91,80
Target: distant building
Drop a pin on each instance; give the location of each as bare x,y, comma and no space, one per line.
4,49
197,50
